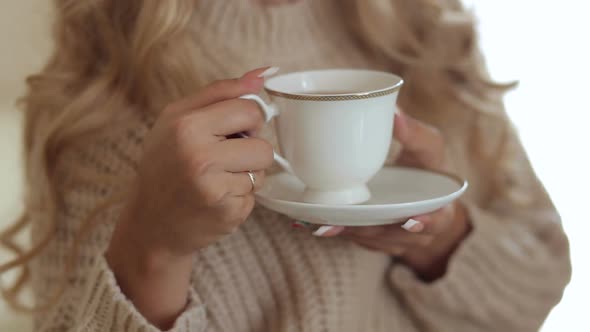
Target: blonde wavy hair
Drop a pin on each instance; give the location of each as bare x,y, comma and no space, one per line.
114,55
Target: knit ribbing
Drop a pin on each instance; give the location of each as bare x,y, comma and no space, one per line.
486,271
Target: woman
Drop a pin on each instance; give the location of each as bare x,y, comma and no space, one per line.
148,210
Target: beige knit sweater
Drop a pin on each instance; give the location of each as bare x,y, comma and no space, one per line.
506,276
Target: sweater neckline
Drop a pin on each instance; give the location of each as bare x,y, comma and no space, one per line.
287,30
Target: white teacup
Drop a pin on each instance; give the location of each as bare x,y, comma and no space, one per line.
334,129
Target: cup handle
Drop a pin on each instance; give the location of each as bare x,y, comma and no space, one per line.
270,111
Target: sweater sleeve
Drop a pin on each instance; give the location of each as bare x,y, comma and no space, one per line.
101,306
85,178
509,272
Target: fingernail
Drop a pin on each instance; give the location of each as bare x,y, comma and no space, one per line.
301,224
322,231
413,226
269,72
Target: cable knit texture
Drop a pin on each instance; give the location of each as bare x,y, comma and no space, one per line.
505,276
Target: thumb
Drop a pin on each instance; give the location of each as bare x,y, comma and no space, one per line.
416,136
422,143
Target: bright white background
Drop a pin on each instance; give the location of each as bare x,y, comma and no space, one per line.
545,45
542,43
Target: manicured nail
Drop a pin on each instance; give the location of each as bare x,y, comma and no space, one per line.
413,226
322,230
301,224
269,72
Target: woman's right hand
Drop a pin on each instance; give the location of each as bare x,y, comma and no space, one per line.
192,189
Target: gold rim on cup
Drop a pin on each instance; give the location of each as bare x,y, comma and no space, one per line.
337,97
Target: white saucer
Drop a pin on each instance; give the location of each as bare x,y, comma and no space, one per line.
396,194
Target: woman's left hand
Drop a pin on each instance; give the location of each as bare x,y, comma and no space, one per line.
426,242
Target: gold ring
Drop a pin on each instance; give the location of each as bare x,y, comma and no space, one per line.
252,177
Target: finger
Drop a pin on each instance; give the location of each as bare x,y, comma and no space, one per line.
438,221
365,231
396,236
328,231
233,211
251,82
413,226
393,250
243,154
230,117
415,135
423,141
409,159
240,184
